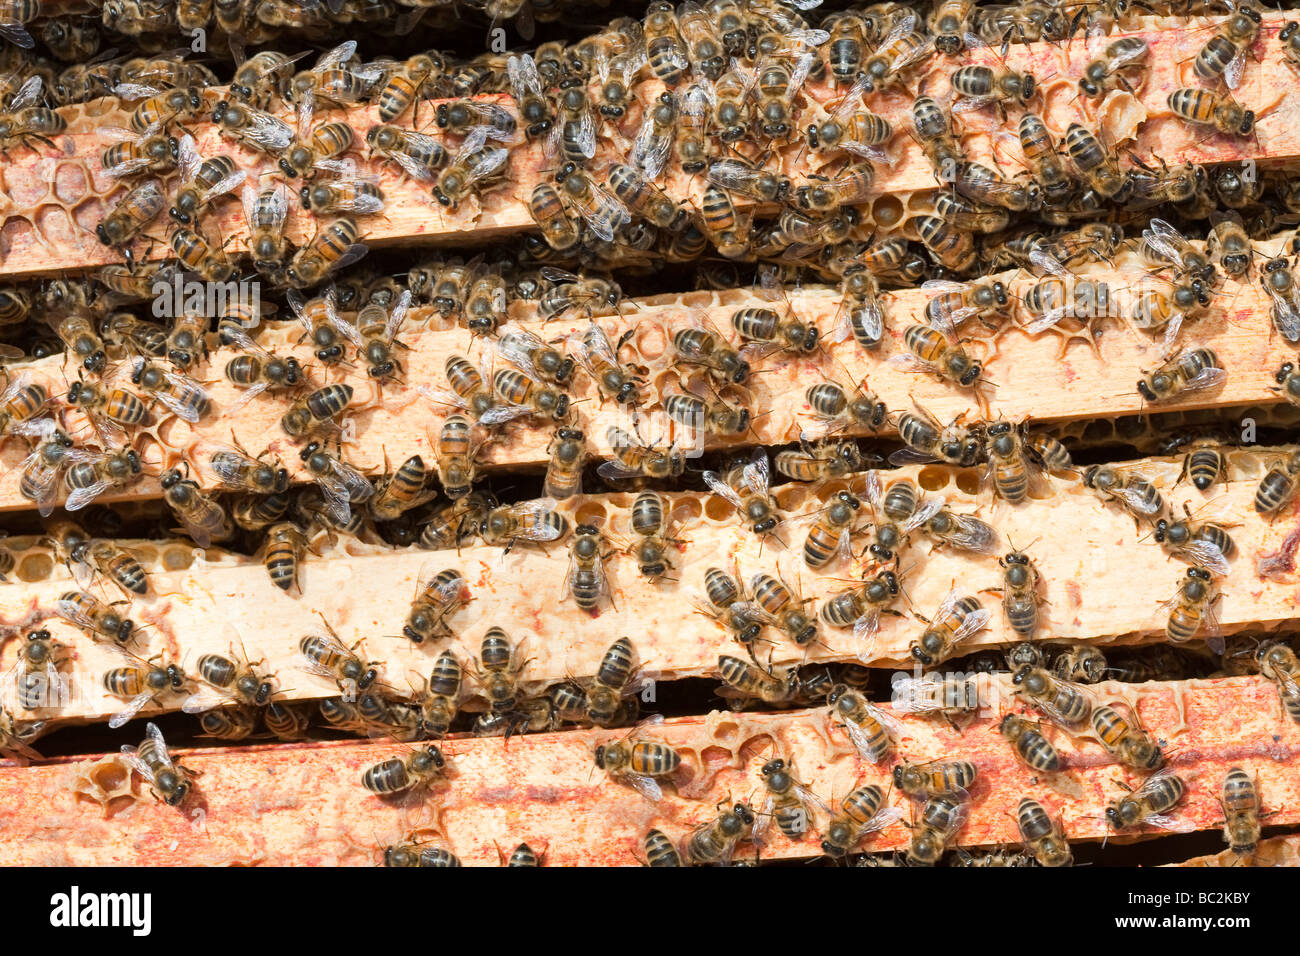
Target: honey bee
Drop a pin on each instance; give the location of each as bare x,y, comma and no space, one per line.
42,469
981,184
1224,54
869,728
87,479
340,483
229,679
776,605
637,761
439,702
714,418
265,211
1205,544
456,450
1159,793
561,231
725,229
1044,838
941,818
594,295
35,674
181,395
573,135
93,616
903,47
1134,493
411,775
1240,802
748,682
664,50
326,656
15,736
861,607
526,83
283,553
260,79
1033,749
308,414
285,721
135,210
690,129
1207,108
745,487
659,849
334,79
862,811
956,620
1121,59
401,491
934,134
702,345
788,803
534,521
1191,370
405,86
714,841
586,580
1278,486
202,181
137,152
633,458
980,86
956,302
1043,159
333,247
934,352
1192,610
935,778
1097,166
169,781
729,605
83,342
141,682
654,140
238,471
1066,703
1230,248
160,107
473,168
252,127
498,674
1279,282
766,325
202,517
435,602
419,156
1126,741
606,703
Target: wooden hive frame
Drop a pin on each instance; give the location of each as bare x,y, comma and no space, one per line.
503,792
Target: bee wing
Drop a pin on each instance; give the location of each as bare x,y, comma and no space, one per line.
1047,320
927,509
128,712
968,104
203,700
500,414
694,102
1232,72
524,78
720,487
1134,501
1208,555
29,94
117,134
188,159
135,91
174,404
604,214
974,535
78,498
398,315
348,330
958,819
731,174
615,470
593,346
884,817
1286,318
1206,378
650,150
1166,822
851,100
537,531
974,622
648,787
889,721
907,362
1048,263
910,456
410,166
273,133
223,186
160,746
916,695
865,629
332,59
337,499
757,473
753,612
860,739
139,766
1166,240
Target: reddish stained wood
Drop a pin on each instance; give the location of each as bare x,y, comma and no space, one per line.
303,804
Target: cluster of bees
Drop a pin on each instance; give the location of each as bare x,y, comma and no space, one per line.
738,80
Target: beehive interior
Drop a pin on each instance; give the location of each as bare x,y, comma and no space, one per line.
1104,573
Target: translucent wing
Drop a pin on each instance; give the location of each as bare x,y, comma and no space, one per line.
927,509
1206,378
910,456
917,695
348,330
524,78
757,474
29,94
650,150
973,534
1166,240
604,213
336,57
188,159
720,487
861,740
203,700
851,100
173,402
422,145
907,362
616,471
500,414
128,712
1208,555
397,315
135,91
1166,822
273,134
78,498
593,347
1232,72
138,765
1286,317
865,629
884,817
160,746
586,138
